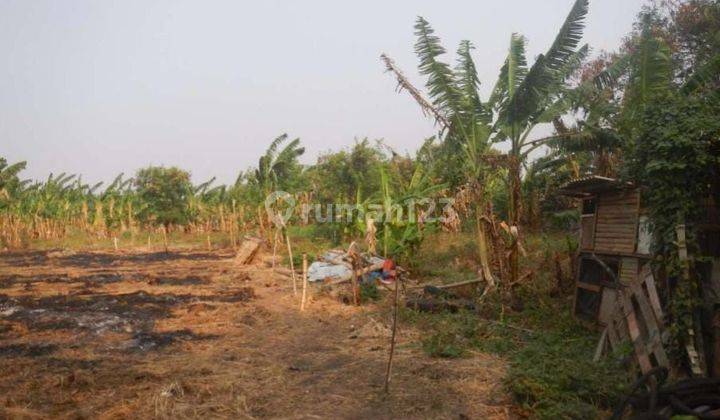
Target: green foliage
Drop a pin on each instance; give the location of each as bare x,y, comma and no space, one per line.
10,184
676,157
442,344
277,168
401,235
369,292
165,192
553,375
344,175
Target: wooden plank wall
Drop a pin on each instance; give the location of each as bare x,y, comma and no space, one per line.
629,268
617,219
587,232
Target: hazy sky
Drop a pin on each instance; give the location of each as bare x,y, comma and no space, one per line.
101,87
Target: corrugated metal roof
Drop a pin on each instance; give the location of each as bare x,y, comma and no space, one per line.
591,184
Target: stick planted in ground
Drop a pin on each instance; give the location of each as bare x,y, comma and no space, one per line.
305,281
292,265
275,242
392,336
165,238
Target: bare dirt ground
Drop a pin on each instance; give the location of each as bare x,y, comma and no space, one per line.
192,334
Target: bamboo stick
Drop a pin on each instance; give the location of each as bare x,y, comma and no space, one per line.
305,282
292,265
275,241
355,284
165,238
392,337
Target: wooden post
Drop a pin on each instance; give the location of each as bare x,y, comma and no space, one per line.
514,255
275,241
392,337
115,242
355,283
165,238
209,245
483,249
354,256
305,282
695,344
233,226
292,264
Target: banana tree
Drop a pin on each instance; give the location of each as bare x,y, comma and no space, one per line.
276,165
402,226
522,98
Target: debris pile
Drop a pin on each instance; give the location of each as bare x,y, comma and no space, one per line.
336,266
694,397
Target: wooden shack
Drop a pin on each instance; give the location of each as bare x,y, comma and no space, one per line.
615,286
614,243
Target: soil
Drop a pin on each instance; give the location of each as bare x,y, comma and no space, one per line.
191,334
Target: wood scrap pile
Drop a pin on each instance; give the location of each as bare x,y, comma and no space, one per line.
654,399
639,320
248,250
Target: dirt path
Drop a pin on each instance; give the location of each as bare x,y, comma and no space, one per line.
191,334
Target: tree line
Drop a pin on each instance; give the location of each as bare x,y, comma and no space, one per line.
629,114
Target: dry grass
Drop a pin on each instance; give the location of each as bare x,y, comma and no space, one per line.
187,339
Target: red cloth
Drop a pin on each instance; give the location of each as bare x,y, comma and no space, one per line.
388,269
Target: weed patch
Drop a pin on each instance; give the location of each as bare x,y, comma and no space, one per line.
551,372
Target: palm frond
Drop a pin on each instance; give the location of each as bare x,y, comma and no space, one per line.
403,83
202,188
705,75
11,171
289,153
440,83
609,77
272,149
653,70
568,37
547,69
552,161
467,80
589,140
512,73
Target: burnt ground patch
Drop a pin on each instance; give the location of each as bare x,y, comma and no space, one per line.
94,279
71,364
178,281
146,341
25,258
94,259
27,350
95,312
100,313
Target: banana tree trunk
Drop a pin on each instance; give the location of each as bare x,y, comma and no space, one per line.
483,248
514,214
